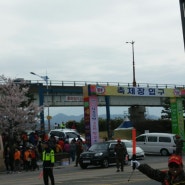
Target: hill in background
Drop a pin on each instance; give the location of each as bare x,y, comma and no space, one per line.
59,118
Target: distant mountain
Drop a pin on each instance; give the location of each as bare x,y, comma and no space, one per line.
59,118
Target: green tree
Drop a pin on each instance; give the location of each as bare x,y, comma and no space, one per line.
166,112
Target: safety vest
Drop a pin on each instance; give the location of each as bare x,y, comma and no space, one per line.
48,156
17,155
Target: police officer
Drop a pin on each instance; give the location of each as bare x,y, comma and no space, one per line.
48,157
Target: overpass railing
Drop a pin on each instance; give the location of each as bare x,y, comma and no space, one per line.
83,83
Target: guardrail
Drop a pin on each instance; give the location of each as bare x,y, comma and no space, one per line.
83,83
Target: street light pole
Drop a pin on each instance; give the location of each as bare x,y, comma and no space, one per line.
134,78
45,78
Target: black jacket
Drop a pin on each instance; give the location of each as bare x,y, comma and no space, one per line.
164,177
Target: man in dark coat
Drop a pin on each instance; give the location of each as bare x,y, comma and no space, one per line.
120,152
79,150
175,175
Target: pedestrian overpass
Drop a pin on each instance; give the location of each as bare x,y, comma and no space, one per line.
70,93
90,95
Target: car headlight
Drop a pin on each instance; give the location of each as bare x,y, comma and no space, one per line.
98,154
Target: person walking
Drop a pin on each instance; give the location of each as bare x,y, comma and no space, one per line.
73,149
79,150
120,152
48,157
174,175
9,159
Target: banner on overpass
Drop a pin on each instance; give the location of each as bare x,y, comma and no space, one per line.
133,91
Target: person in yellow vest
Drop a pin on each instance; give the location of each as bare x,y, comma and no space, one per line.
48,158
62,125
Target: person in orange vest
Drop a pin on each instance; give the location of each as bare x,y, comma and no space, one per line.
27,159
17,160
61,143
34,157
58,148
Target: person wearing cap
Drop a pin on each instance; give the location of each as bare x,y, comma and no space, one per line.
172,176
48,157
120,152
179,145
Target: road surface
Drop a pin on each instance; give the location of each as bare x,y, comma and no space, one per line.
70,175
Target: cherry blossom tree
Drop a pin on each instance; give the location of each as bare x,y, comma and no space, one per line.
17,109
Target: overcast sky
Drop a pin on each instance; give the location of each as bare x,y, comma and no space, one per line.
84,40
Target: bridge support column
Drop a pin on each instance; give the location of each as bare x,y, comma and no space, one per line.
137,113
109,132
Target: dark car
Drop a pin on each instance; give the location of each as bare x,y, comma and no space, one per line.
99,154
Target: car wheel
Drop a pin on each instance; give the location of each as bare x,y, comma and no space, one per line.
164,152
105,163
83,166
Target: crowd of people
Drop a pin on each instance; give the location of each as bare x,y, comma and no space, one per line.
26,150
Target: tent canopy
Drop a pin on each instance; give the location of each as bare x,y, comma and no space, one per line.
125,125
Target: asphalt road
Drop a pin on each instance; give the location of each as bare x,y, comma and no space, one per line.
70,175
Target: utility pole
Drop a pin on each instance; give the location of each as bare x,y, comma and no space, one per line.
182,9
133,60
45,78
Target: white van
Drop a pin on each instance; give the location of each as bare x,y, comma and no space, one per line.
157,143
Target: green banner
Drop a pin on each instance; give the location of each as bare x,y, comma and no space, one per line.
177,116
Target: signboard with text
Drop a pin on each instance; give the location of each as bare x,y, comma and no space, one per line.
91,120
133,91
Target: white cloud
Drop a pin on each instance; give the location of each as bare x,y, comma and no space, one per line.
85,40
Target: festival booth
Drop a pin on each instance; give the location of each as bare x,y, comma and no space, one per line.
124,130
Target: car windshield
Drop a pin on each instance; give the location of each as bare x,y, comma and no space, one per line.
72,134
98,146
128,144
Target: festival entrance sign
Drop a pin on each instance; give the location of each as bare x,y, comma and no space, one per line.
90,93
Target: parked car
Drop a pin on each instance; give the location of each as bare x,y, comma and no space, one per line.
140,154
99,154
68,134
157,143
